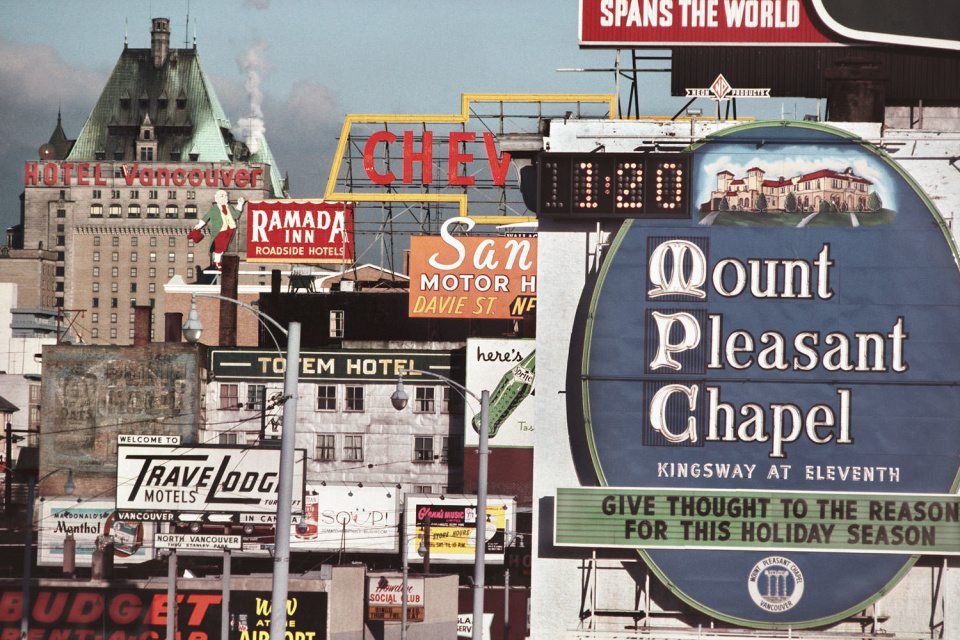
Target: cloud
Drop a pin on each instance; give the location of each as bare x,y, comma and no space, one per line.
34,85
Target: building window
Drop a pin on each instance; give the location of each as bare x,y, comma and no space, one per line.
133,211
94,333
171,195
96,194
255,396
189,258
61,241
96,241
451,449
230,437
133,256
94,317
133,241
190,211
133,272
153,211
326,397
113,333
115,241
95,302
189,272
115,256
171,272
96,211
171,257
96,256
153,272
353,448
423,449
113,318
336,324
114,287
326,447
96,287
229,396
61,213
116,210
113,303
133,287
422,488
153,256
153,241
96,272
452,401
115,272
172,211
135,195
354,398
424,401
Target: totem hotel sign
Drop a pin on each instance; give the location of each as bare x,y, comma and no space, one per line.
770,378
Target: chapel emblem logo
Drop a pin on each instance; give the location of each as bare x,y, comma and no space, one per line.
776,584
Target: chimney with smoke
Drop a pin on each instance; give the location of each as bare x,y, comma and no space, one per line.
253,65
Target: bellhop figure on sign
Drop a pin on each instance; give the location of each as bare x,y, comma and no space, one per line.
222,219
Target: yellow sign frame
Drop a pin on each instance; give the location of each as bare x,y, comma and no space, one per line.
331,194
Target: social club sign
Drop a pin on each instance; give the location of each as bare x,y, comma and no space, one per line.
795,334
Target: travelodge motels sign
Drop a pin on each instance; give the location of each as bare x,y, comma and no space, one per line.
769,384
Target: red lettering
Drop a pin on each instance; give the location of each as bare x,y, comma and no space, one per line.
83,172
225,176
195,177
256,173
149,635
87,607
31,174
162,176
125,608
200,635
498,169
146,178
200,605
368,159
97,180
129,174
424,157
243,177
67,167
47,608
35,634
59,634
211,176
456,158
179,177
157,613
50,174
10,634
10,604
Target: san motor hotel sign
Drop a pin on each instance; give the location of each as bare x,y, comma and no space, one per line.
769,381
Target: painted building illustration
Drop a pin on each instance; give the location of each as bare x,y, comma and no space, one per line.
844,190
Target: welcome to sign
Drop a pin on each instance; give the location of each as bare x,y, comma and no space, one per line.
796,334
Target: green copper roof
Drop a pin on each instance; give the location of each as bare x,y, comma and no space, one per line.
178,101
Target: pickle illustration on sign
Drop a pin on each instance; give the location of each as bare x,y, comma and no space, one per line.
514,387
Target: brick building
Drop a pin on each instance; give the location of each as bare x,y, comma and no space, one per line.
117,203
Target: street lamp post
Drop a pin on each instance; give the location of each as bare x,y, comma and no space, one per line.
399,400
68,488
281,550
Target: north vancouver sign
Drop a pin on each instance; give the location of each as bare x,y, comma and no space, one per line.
792,339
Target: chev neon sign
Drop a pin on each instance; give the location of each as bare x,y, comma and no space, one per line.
430,152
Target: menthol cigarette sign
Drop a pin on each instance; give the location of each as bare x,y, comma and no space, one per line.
795,336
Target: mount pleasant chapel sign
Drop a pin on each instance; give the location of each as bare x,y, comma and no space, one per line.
774,380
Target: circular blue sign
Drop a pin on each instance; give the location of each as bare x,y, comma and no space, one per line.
796,333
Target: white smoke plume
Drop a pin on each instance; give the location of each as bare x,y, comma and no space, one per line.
253,65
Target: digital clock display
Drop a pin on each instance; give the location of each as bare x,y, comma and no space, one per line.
613,185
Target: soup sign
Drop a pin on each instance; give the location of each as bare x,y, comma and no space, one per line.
791,342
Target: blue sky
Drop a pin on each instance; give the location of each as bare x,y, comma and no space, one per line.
314,60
